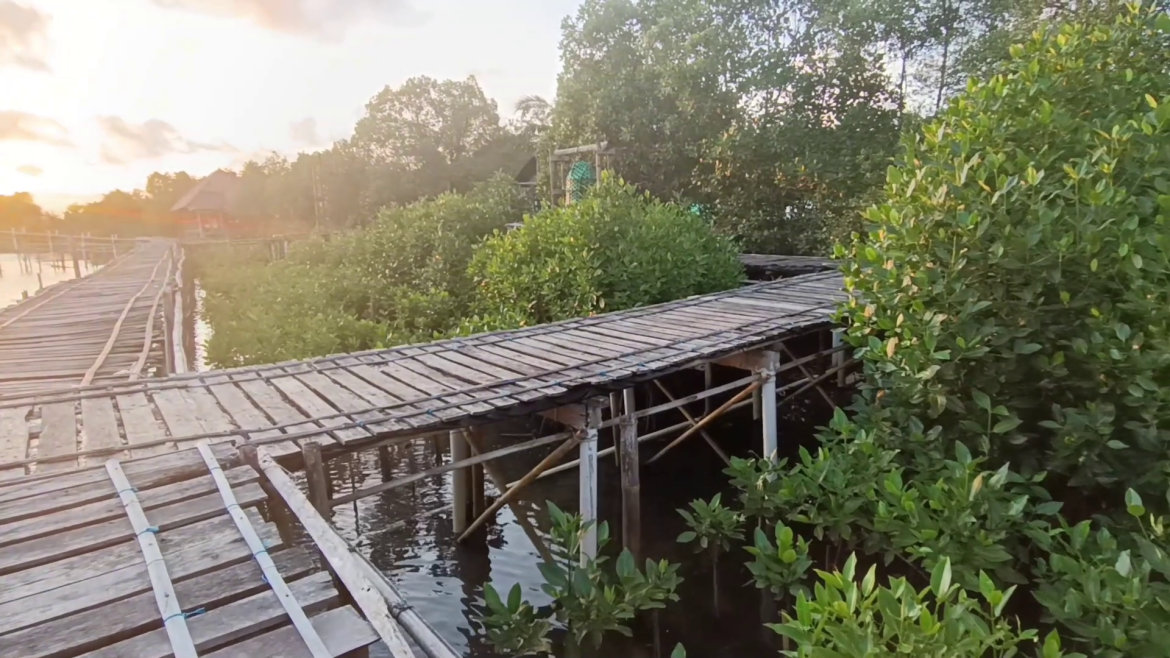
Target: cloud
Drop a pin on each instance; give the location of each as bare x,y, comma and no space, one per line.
16,126
326,19
30,170
305,132
155,138
23,36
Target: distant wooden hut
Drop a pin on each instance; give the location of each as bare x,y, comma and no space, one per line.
208,209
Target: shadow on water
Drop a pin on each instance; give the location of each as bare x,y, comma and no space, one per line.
407,534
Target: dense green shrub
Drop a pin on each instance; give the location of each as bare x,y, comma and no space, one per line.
1014,288
402,279
613,250
1009,305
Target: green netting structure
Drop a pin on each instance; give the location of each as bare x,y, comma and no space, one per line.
581,177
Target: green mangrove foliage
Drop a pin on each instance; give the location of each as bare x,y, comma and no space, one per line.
616,249
589,600
445,266
1008,304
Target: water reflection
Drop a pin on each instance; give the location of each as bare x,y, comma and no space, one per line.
407,534
24,275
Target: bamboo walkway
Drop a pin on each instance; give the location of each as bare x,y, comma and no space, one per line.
161,557
350,400
99,328
770,266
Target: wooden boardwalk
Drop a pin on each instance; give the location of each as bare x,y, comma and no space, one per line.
100,328
74,576
352,399
770,266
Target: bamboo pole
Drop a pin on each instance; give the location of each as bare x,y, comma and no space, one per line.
460,483
508,495
501,482
706,420
770,424
809,375
587,481
691,419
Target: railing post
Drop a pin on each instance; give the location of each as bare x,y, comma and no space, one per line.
768,409
587,488
631,479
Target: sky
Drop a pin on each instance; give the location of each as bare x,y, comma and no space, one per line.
97,94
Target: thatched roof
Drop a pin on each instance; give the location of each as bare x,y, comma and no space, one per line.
215,193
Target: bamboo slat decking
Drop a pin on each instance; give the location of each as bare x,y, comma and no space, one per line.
771,266
95,329
74,581
351,399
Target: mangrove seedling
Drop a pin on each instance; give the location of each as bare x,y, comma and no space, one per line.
588,600
779,567
712,527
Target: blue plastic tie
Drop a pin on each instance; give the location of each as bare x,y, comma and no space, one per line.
152,530
361,423
122,491
257,554
235,505
185,615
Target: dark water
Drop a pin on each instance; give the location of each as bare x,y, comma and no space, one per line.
407,533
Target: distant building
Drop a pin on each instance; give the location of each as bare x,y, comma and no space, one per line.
209,208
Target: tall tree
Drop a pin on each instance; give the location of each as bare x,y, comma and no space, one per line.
19,211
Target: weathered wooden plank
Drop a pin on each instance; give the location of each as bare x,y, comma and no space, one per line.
218,546
341,629
35,552
179,412
99,425
138,614
141,426
245,414
268,398
108,508
222,626
213,419
13,439
58,436
314,406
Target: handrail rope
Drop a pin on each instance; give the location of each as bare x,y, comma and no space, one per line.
109,346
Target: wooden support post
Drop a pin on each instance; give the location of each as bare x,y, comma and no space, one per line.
838,358
76,263
478,497
587,489
770,410
708,382
460,482
615,411
318,481
385,463
279,510
631,481
168,321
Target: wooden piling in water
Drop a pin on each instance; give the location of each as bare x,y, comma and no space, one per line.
631,478
460,483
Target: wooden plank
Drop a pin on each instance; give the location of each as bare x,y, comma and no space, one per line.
58,436
179,412
245,414
342,630
13,438
222,626
99,425
213,419
268,398
30,499
108,508
141,426
201,548
138,614
35,552
314,406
